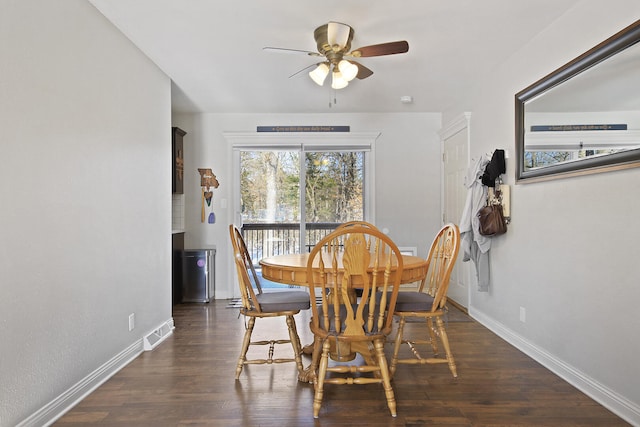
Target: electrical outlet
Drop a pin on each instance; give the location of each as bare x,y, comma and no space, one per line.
523,314
132,321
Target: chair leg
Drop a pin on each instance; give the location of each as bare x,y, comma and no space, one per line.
445,342
245,346
311,373
319,384
397,345
432,335
295,342
386,378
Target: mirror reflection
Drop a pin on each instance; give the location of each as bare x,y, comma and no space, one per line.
586,114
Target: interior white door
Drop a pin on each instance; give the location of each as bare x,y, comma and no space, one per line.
455,146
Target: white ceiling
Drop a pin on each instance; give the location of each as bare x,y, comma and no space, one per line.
213,50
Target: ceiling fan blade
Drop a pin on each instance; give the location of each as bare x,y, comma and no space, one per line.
363,72
304,69
286,50
390,48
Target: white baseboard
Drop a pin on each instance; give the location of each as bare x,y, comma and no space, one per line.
608,398
49,413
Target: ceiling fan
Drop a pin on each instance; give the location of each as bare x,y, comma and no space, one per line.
334,43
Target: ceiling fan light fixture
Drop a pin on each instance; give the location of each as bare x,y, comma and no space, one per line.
319,73
348,70
338,80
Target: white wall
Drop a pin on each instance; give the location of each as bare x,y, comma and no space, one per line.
85,217
407,175
570,256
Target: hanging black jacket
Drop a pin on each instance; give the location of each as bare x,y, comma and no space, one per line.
494,169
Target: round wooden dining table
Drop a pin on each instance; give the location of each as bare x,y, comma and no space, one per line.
291,269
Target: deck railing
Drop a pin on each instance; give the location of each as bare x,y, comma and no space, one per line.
268,239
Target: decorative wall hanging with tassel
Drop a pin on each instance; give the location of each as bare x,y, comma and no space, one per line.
207,180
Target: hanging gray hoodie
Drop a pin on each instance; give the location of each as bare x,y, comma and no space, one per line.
475,246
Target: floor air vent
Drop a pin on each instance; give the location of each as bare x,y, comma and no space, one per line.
155,337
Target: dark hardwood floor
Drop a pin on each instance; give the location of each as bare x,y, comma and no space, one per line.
189,381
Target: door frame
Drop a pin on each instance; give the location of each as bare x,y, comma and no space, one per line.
461,123
308,140
296,140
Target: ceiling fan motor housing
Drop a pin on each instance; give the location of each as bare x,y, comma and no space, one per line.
333,40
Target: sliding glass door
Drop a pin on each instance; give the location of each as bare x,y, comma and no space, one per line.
291,197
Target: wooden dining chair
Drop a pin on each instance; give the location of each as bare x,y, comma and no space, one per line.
258,304
355,223
429,303
344,325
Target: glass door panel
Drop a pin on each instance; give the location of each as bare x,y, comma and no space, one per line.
334,191
270,202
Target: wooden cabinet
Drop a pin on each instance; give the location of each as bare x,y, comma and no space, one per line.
177,136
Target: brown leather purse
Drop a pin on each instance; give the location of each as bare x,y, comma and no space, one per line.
492,222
